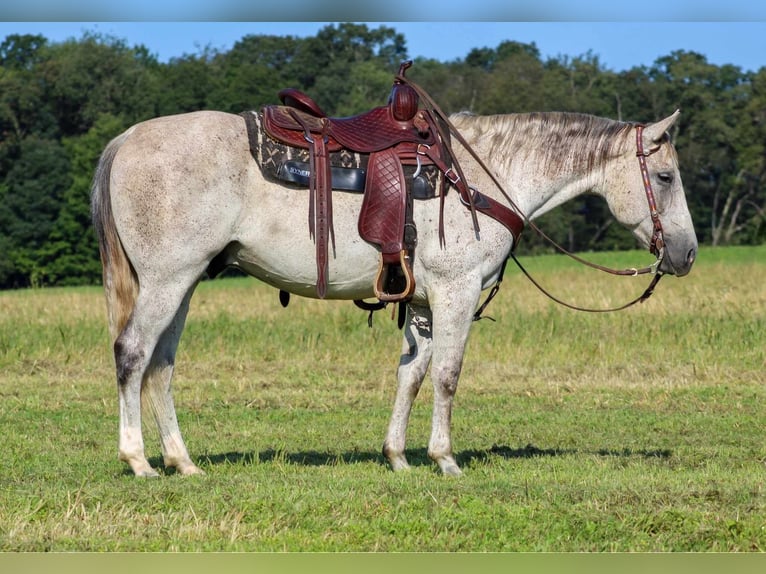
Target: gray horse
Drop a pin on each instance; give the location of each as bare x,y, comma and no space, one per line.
173,193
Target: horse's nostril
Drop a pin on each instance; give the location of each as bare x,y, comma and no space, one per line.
691,256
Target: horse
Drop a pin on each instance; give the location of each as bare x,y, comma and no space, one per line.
174,194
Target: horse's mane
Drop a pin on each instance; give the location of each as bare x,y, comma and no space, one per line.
560,141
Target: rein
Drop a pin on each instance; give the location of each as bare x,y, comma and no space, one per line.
656,245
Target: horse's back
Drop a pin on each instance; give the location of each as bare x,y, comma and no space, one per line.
205,139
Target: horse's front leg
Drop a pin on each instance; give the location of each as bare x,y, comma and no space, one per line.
413,364
452,320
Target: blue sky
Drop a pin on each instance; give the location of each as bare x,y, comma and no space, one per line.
356,10
619,45
621,34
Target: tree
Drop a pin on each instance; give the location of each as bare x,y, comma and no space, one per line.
60,104
740,204
322,64
24,106
251,73
22,51
70,254
368,86
580,84
96,75
29,205
513,81
712,100
186,84
453,86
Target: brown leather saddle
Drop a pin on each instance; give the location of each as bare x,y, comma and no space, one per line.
394,136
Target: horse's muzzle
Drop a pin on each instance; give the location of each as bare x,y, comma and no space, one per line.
679,265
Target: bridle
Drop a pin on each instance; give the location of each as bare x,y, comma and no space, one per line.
656,244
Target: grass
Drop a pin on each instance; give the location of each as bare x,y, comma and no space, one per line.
636,431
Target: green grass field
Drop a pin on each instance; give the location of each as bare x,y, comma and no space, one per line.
636,431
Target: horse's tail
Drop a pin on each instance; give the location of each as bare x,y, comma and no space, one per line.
120,281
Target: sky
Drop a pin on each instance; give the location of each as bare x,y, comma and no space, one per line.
731,32
618,45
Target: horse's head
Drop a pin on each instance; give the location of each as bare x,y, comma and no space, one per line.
632,195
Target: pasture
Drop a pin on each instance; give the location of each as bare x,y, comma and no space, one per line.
641,430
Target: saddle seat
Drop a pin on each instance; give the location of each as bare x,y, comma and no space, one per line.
392,135
368,132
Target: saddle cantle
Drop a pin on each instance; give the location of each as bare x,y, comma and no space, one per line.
390,135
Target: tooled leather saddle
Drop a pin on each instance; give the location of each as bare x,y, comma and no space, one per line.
391,135
394,138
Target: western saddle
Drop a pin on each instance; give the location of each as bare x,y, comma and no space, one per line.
397,136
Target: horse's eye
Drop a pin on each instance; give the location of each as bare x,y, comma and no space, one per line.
665,177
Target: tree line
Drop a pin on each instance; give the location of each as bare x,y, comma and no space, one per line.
60,103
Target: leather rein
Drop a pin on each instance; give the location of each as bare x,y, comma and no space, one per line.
656,244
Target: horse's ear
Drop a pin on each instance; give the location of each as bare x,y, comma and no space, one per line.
653,133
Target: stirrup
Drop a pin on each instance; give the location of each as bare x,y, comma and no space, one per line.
383,278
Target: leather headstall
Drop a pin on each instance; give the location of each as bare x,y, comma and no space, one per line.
657,243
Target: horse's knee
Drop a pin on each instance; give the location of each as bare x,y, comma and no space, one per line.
446,378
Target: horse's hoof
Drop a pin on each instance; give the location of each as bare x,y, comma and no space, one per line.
191,470
448,466
452,470
141,468
147,473
399,464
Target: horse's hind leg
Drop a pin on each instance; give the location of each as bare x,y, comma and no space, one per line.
134,350
157,394
413,364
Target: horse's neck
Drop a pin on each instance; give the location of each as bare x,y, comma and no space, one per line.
557,192
524,168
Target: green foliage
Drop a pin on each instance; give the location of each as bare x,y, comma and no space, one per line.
328,62
96,75
56,98
67,257
250,74
30,204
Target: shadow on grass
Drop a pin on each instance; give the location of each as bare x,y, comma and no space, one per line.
307,458
531,451
416,457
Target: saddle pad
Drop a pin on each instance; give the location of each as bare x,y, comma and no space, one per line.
272,155
278,161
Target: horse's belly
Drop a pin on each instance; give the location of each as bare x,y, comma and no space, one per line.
285,256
